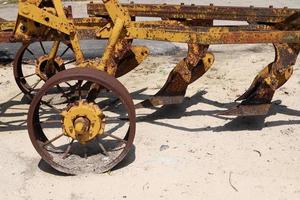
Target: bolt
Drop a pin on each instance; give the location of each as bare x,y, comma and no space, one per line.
25,10
23,28
81,125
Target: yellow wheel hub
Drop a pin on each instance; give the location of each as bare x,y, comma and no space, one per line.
41,65
83,121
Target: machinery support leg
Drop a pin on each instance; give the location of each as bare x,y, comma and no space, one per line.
107,62
50,68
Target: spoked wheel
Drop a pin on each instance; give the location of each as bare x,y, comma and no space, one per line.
29,66
82,120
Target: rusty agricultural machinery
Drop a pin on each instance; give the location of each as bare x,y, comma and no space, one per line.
73,122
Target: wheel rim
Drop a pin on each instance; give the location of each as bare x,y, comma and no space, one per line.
67,154
32,56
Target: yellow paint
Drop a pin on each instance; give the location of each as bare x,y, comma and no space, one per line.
41,16
112,41
83,121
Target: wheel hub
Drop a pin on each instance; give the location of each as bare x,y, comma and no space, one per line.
83,121
45,73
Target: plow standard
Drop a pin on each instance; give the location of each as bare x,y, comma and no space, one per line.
83,119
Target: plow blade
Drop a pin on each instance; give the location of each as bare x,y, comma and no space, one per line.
160,100
132,58
256,99
188,70
248,110
282,79
273,76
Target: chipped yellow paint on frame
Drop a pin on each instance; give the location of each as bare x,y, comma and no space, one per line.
36,14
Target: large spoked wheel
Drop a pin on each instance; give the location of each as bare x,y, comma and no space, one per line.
82,120
29,65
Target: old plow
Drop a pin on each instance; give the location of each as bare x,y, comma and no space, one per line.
73,122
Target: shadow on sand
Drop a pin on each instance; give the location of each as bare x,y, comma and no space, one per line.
14,113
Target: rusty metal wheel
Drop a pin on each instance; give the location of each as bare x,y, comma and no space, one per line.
82,120
30,61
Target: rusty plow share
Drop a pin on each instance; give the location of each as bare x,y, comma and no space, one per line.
257,99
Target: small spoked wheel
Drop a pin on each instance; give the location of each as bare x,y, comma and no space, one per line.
30,63
82,120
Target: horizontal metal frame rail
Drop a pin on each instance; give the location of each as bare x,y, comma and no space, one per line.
250,14
86,27
211,35
89,28
6,30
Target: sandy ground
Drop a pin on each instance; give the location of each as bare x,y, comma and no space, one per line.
180,152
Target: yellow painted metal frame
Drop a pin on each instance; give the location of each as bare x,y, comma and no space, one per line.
121,27
214,36
36,14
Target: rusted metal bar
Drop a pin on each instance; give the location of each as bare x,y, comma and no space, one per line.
86,27
7,25
6,30
214,35
6,36
250,14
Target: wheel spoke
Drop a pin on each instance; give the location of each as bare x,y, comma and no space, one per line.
85,151
42,46
112,103
79,83
27,49
63,92
27,76
115,137
72,88
50,106
93,92
102,147
51,121
30,62
108,119
34,85
52,140
68,84
65,51
65,155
